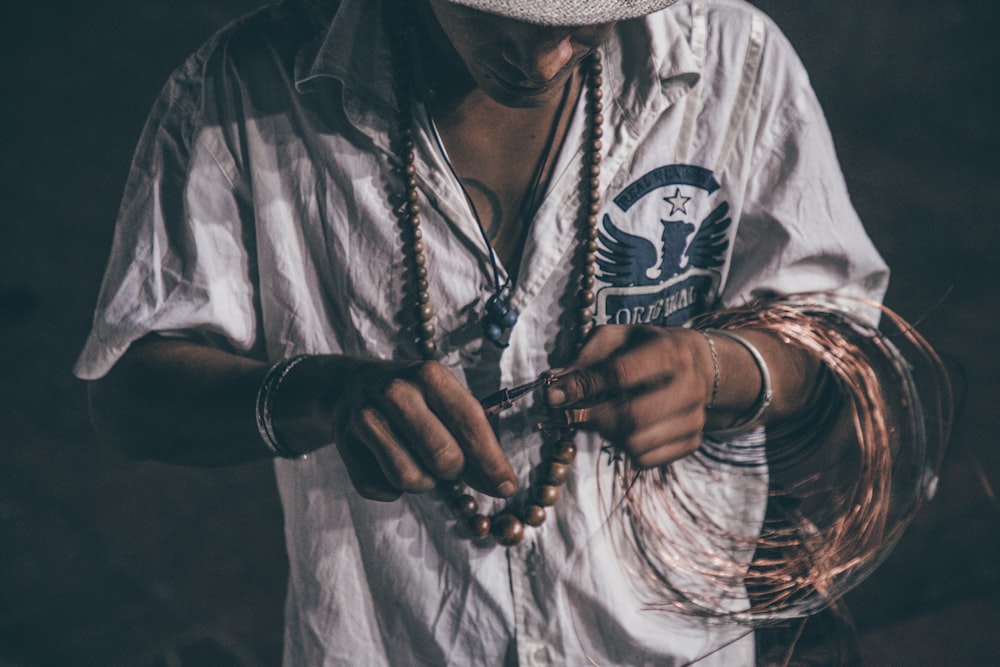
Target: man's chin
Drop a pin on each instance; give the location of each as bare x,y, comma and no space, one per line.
522,97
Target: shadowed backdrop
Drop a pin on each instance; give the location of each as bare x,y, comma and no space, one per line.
105,561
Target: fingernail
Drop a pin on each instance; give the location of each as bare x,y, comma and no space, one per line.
507,488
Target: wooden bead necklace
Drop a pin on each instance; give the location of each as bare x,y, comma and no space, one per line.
507,526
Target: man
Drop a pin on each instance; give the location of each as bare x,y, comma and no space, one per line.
346,225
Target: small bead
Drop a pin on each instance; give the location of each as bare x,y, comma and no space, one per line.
591,221
595,183
410,170
533,515
426,330
597,132
595,170
590,257
419,260
590,246
465,506
428,350
598,117
409,157
556,473
587,297
451,488
588,269
596,93
596,145
417,233
418,246
595,65
564,451
508,529
411,182
414,221
587,282
420,272
412,195
421,284
425,312
407,144
548,495
479,525
423,298
586,315
596,80
413,208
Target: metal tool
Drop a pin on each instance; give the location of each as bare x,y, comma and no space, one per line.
501,400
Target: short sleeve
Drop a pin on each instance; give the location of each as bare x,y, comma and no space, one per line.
182,259
799,231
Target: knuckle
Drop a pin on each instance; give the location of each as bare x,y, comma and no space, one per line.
365,419
396,390
432,373
587,382
411,480
446,462
619,374
627,420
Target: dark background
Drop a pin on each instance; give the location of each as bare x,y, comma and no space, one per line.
105,561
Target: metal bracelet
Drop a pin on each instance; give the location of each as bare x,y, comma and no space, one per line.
715,370
764,398
265,404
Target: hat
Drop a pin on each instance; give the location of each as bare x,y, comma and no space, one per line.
567,12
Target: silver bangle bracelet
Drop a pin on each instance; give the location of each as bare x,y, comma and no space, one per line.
265,404
764,398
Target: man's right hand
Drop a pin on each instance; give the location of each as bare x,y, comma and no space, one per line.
399,427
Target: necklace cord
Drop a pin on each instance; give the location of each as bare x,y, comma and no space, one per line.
508,526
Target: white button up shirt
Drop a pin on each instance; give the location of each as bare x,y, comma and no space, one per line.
257,218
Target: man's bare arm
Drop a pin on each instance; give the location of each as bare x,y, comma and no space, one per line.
399,427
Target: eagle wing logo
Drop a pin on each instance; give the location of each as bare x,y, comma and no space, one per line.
627,260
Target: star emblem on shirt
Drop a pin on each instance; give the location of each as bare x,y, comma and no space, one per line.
678,202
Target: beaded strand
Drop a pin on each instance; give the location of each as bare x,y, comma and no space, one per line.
506,527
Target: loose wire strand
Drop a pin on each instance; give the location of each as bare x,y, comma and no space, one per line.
842,481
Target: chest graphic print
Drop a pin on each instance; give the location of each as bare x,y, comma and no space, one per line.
661,250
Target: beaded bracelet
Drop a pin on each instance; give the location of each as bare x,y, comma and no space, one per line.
763,400
265,403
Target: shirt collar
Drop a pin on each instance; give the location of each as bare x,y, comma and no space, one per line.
652,63
354,49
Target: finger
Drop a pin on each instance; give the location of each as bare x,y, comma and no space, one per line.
420,427
364,471
644,359
669,451
623,417
449,430
486,466
397,461
664,442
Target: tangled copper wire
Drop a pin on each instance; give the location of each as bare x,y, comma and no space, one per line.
841,483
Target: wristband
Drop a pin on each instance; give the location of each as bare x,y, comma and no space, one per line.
764,398
265,403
